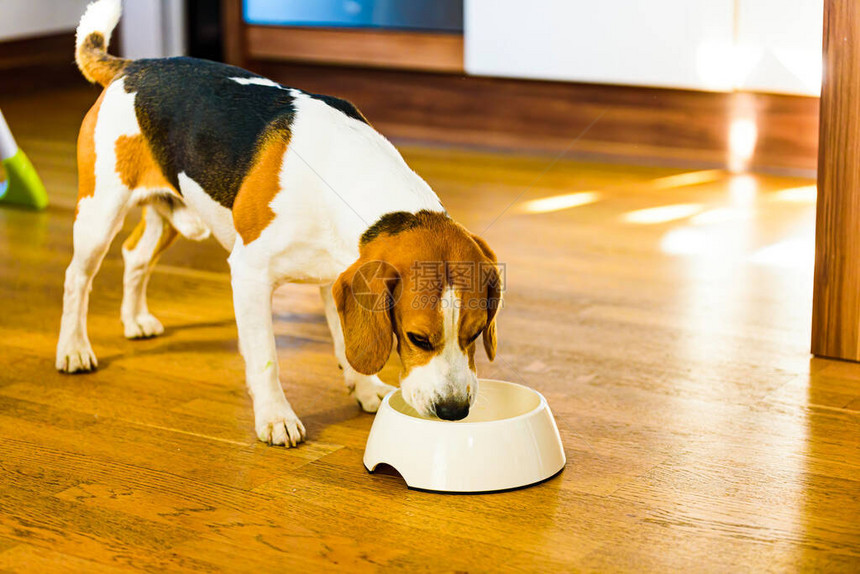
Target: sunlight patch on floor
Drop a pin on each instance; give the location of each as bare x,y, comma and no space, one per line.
560,202
686,179
795,253
806,194
663,214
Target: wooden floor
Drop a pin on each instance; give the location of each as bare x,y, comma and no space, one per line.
671,344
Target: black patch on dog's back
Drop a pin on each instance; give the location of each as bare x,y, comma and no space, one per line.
344,106
200,121
399,221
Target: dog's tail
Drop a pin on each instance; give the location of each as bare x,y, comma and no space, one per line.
93,38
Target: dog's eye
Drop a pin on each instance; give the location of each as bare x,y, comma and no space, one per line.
420,341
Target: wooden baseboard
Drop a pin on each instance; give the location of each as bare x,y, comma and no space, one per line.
670,127
35,63
29,52
436,52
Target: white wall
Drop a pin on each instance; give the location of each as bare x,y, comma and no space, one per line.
719,45
26,18
779,41
639,42
153,28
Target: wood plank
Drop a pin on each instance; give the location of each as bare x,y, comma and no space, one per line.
428,51
28,558
233,32
836,299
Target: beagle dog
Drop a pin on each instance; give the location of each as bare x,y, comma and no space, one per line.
297,187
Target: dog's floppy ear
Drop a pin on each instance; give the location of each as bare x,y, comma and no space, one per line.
364,296
491,280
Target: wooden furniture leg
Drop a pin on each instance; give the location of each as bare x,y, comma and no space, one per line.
836,298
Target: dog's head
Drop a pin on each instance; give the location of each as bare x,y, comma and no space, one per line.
427,282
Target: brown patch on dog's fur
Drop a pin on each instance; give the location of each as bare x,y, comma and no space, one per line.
136,165
134,238
168,236
251,210
493,285
95,63
87,152
364,296
470,350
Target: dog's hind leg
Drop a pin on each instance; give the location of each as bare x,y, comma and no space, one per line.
98,220
140,252
103,201
161,223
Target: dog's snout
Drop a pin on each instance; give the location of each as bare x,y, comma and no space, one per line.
452,410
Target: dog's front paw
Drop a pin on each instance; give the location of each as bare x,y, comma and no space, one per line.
143,326
369,391
280,426
76,358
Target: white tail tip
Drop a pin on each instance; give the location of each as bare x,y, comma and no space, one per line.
101,16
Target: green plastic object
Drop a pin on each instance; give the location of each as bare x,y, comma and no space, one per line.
22,186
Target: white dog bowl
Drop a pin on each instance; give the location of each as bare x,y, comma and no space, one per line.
508,440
